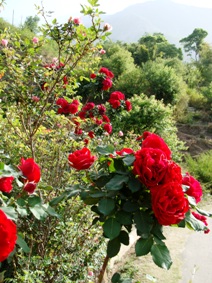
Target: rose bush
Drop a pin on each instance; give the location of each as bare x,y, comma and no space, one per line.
60,114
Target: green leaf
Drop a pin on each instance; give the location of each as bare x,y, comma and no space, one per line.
111,228
157,231
130,206
203,212
161,257
113,247
115,278
50,210
134,184
34,200
38,211
1,166
22,244
143,246
10,212
143,222
124,217
124,238
129,159
117,182
194,223
106,206
57,200
105,150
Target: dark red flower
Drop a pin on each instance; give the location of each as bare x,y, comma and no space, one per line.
91,134
6,184
106,84
92,76
152,140
108,128
128,105
8,236
30,187
195,189
150,165
81,159
125,151
30,170
107,72
169,203
105,118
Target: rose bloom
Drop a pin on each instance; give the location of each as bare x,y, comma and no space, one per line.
128,105
77,21
91,134
102,51
154,141
35,98
107,27
173,173
88,106
30,187
114,103
169,203
6,184
102,109
92,76
35,40
8,236
117,95
107,72
195,189
121,134
150,165
4,42
125,151
105,118
30,170
108,128
106,84
81,159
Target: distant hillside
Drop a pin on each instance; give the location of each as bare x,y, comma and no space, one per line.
174,20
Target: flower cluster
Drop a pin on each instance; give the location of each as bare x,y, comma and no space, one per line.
104,78
163,177
117,99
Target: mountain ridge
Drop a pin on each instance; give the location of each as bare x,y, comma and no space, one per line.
174,20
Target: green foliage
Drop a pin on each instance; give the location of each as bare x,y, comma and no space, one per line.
148,114
193,42
161,81
200,167
31,23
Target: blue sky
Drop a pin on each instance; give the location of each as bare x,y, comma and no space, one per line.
18,10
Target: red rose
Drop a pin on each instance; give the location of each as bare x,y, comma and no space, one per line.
92,76
128,105
106,84
66,108
105,118
81,159
108,128
30,187
169,203
154,141
8,236
195,189
6,184
117,95
150,165
30,170
88,106
91,134
114,103
107,72
125,151
102,109
173,173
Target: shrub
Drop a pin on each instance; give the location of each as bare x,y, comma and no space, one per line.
200,167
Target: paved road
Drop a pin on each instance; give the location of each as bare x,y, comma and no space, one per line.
197,258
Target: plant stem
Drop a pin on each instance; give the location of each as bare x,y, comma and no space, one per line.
102,271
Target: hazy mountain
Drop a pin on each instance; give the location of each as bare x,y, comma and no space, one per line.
174,20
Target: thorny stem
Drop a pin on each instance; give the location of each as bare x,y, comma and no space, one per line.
102,271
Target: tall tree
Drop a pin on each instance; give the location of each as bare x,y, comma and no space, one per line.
31,23
193,42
